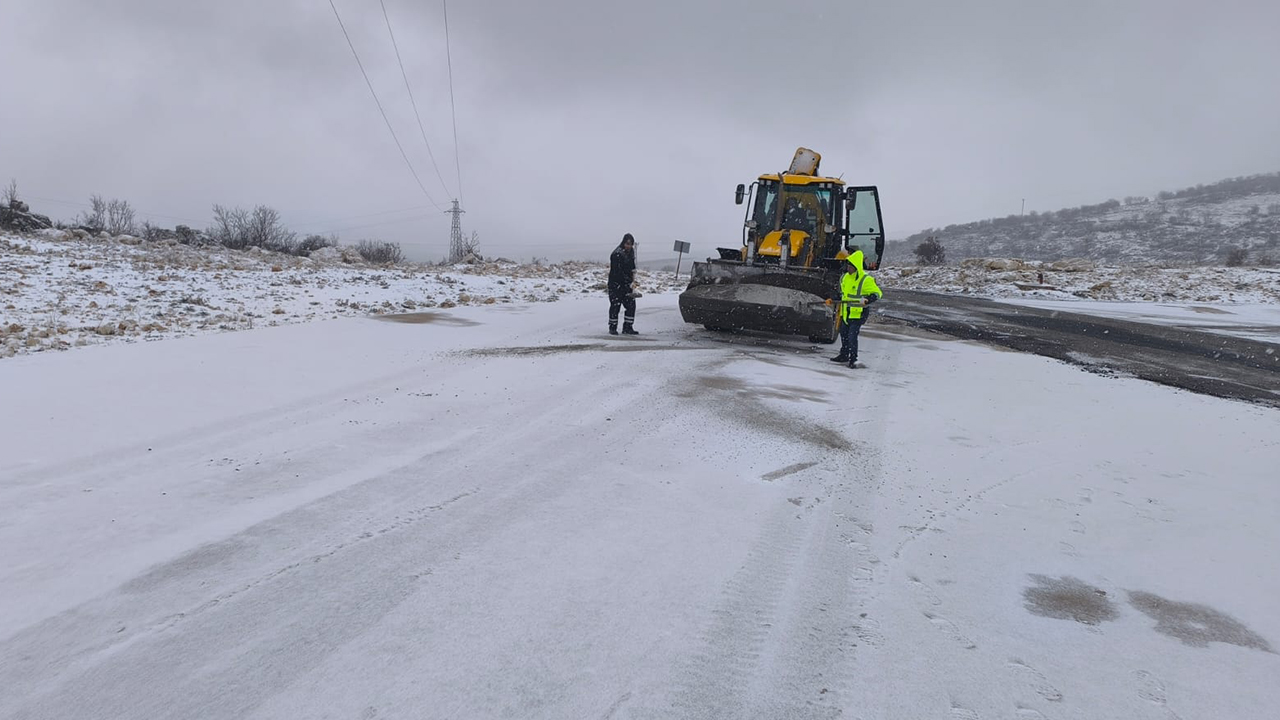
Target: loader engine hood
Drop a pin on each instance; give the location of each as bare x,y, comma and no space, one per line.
771,244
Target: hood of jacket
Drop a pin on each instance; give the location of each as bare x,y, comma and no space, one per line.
856,260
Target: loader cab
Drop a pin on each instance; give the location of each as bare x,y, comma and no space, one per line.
804,205
864,223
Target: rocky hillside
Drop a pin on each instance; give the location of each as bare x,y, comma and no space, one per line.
61,289
1234,221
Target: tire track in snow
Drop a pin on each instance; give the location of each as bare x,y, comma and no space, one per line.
88,648
782,640
736,644
228,432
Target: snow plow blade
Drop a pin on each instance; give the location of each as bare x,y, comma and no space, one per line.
725,296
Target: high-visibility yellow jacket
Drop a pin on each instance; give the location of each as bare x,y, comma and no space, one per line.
855,285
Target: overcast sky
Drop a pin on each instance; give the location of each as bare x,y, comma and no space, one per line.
579,120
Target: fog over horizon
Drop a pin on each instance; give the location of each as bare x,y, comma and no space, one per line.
578,121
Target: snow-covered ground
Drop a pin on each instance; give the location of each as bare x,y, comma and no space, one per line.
59,291
498,511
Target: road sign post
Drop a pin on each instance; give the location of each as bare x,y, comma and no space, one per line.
682,248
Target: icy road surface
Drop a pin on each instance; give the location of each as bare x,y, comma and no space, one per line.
502,512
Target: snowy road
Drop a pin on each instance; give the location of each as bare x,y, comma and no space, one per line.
503,513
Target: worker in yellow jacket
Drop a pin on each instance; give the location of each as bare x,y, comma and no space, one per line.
857,291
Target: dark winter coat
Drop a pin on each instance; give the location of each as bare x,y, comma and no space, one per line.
622,271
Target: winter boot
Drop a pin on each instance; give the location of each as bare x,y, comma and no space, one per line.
840,358
613,327
628,330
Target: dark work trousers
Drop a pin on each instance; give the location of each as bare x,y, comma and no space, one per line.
619,299
849,337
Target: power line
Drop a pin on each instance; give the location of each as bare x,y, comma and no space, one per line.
453,110
384,222
411,99
379,104
330,221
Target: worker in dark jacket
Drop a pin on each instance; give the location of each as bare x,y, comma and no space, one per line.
857,291
622,280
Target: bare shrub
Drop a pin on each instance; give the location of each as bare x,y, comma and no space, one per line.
114,216
312,243
120,218
240,229
10,195
154,233
187,236
930,252
230,227
377,251
96,217
471,245
1237,257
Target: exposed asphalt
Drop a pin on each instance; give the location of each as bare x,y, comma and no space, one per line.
1202,362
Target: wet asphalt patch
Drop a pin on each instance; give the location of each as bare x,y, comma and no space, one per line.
428,318
1196,625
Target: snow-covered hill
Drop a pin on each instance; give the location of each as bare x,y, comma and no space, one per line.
1205,223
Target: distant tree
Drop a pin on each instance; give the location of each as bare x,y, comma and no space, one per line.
930,252
10,196
1237,257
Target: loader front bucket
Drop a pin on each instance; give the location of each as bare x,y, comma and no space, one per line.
738,297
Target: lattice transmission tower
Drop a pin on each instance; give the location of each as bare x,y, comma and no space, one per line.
457,246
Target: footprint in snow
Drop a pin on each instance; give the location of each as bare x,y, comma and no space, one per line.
1036,679
949,629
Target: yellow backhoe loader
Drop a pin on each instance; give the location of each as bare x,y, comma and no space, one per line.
785,278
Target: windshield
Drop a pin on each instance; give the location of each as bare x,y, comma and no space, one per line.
805,208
